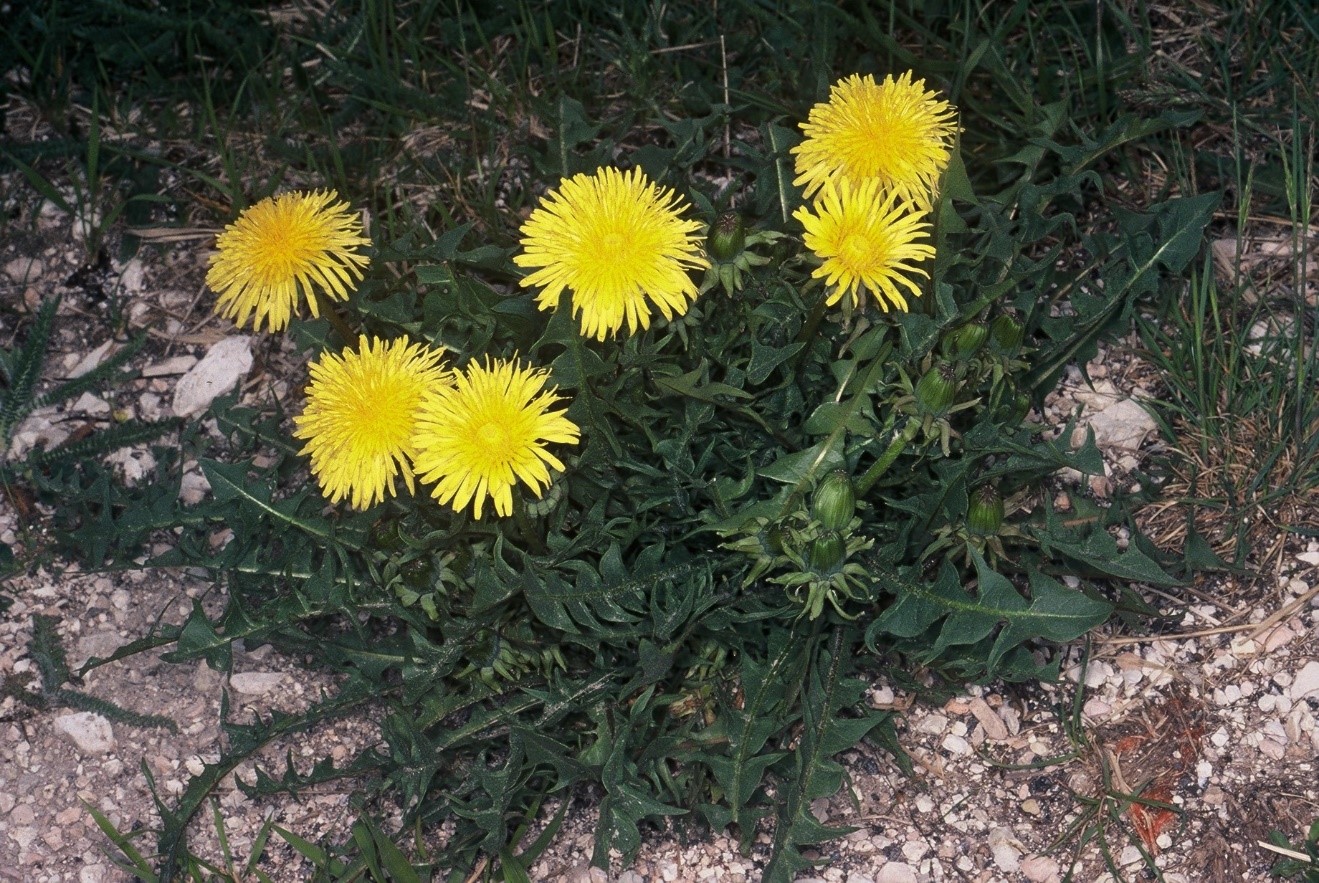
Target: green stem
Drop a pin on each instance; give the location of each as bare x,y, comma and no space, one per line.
808,330
526,528
880,466
331,313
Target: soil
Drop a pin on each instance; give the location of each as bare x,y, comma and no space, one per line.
1216,718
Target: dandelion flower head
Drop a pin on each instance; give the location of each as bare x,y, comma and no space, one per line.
280,251
894,131
360,416
868,240
478,437
618,242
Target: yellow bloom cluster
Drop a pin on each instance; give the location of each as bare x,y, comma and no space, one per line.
386,409
389,409
871,159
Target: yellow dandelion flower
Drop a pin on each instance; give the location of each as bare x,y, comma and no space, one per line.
361,413
894,131
866,239
476,438
280,251
618,243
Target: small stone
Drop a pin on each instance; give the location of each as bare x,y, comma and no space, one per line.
1039,869
915,850
7,802
1031,807
24,269
1220,738
924,804
1306,682
896,872
67,817
933,725
220,369
881,697
193,488
22,815
1272,750
995,729
101,644
1096,708
94,873
954,744
859,878
256,683
90,405
91,733
169,367
1003,846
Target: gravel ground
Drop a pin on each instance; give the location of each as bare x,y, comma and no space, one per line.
1217,718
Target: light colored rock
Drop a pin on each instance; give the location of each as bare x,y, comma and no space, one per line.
94,873
90,405
995,729
859,878
132,278
1006,850
193,488
954,744
933,724
24,269
1118,422
89,732
256,683
100,644
1306,682
23,815
1040,869
896,872
91,360
170,367
915,850
224,364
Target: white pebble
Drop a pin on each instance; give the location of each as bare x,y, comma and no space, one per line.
1306,682
955,744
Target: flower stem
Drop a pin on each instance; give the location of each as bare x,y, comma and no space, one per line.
526,528
880,466
336,321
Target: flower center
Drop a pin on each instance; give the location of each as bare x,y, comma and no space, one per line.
855,251
492,436
615,247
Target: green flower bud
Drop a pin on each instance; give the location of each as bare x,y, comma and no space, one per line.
984,511
728,236
1005,334
835,501
963,343
936,389
827,552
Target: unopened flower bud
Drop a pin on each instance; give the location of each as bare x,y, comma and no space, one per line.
728,236
1005,334
963,343
984,511
936,389
835,501
828,551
